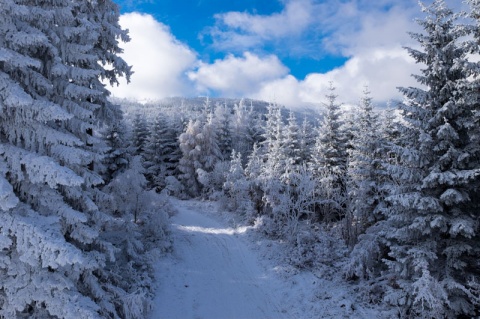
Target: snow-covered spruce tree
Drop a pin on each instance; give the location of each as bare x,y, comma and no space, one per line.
190,161
255,126
210,151
171,153
162,151
240,121
253,172
329,163
298,198
140,134
475,92
272,168
434,224
116,155
54,259
306,137
291,140
128,189
287,188
366,256
208,172
237,188
140,224
272,145
363,169
221,121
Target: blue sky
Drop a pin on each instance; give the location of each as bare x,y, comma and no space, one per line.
279,50
192,21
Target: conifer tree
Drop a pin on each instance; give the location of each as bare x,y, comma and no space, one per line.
237,187
273,167
210,152
253,172
221,121
153,151
140,134
53,54
433,239
306,141
329,162
190,161
116,156
162,151
241,120
364,165
273,150
291,140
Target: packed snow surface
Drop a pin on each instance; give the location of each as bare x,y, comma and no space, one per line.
218,270
212,274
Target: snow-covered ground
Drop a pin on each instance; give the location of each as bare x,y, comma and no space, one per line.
221,270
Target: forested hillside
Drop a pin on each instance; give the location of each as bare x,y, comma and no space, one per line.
389,197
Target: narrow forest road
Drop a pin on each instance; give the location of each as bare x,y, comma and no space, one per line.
212,274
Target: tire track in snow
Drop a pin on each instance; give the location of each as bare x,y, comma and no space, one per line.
212,275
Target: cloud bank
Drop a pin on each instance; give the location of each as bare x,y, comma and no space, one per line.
371,34
160,62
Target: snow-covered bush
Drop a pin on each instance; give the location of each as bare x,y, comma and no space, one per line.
174,187
128,190
155,229
364,258
140,233
237,189
317,248
213,181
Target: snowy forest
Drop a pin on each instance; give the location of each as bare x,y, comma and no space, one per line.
386,197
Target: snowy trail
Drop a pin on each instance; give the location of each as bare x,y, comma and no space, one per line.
212,274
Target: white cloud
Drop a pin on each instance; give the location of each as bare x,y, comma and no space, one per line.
370,33
381,70
237,76
241,31
160,62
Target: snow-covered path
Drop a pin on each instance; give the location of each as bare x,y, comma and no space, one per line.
212,274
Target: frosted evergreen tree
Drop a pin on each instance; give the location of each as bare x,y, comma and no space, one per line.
291,140
273,144
329,162
54,261
306,141
237,187
140,134
298,198
371,246
116,156
474,93
241,119
389,146
272,168
287,188
255,127
129,189
221,121
434,238
209,156
162,151
208,141
190,161
253,172
154,170
364,166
